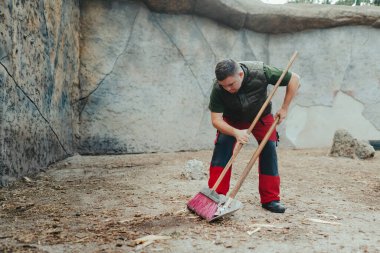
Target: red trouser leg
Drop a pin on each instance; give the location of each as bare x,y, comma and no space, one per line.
269,188
269,180
224,185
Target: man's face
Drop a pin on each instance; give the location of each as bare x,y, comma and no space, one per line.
232,84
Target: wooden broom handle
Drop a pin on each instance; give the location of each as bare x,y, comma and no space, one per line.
253,159
239,145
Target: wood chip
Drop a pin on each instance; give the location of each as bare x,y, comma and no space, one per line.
267,226
81,240
323,221
184,210
228,245
328,215
124,221
147,240
140,246
27,179
24,207
152,238
53,231
253,231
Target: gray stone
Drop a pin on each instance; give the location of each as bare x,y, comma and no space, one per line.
364,150
6,180
343,144
194,170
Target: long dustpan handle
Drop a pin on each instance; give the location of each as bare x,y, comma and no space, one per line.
239,145
253,159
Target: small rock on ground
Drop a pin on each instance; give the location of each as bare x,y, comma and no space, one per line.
194,170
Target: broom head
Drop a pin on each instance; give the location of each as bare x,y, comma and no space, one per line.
205,203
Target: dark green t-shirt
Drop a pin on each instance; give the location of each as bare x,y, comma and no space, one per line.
272,75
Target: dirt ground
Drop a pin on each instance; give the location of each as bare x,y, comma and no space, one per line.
104,203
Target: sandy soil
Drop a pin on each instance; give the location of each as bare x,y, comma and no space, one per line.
103,203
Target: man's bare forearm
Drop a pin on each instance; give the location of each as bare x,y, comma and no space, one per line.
291,91
223,127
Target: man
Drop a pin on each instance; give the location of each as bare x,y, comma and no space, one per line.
239,91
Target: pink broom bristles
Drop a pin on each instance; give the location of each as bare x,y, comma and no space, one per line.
203,206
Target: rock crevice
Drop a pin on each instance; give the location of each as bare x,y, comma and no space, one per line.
86,97
182,55
35,105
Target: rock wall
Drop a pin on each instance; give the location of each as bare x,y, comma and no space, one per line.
146,78
143,80
39,64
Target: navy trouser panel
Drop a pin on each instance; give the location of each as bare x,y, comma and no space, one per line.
268,160
223,149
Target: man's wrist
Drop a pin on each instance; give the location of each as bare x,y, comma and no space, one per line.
234,132
285,107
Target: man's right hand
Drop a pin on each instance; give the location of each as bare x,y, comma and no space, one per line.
219,123
241,136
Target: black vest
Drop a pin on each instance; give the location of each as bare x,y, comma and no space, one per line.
246,103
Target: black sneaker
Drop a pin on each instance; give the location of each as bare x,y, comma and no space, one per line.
274,206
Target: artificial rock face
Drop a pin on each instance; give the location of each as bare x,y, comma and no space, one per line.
39,64
128,78
146,78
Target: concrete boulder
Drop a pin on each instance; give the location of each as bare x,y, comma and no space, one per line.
345,145
194,170
364,150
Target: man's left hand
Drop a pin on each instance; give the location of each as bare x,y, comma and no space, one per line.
281,114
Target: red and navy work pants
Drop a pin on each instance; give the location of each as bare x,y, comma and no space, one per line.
269,179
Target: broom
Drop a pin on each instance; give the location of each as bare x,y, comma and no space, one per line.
205,203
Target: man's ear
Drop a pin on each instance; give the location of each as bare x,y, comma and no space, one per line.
241,74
